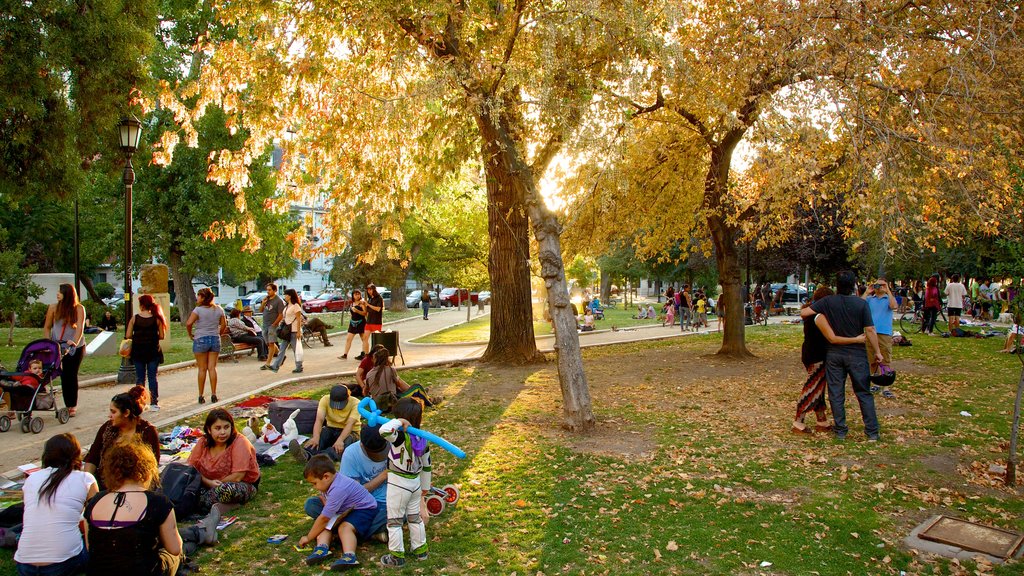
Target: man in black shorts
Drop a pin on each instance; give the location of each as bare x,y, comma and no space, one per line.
848,316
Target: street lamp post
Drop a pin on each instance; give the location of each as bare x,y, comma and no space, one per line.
130,130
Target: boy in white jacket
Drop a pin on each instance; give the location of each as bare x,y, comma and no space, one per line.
408,476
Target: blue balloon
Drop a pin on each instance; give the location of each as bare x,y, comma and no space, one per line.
368,409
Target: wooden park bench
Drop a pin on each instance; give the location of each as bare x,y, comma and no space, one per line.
231,349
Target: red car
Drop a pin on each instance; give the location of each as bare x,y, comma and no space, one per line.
454,296
327,302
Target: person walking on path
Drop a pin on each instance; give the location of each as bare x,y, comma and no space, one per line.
356,326
955,292
817,336
292,317
849,316
881,302
205,325
425,302
272,308
65,324
146,329
932,305
374,316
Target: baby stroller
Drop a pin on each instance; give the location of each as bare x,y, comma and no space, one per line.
22,398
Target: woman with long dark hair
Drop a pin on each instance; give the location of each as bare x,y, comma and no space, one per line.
291,317
230,475
932,305
147,329
357,324
65,323
817,335
205,325
132,530
51,539
124,423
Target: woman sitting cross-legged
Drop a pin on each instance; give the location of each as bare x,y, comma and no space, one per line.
123,423
131,529
227,462
51,539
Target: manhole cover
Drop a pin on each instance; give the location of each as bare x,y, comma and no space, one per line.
971,536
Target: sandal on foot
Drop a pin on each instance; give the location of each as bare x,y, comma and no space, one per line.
202,400
320,553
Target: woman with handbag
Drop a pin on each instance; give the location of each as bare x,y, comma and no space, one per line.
207,321
145,331
65,324
289,331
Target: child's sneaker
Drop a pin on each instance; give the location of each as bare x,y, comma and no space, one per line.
347,560
392,561
320,553
422,553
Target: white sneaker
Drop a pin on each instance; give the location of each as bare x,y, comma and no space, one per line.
154,408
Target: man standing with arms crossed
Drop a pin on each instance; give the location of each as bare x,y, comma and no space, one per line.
849,316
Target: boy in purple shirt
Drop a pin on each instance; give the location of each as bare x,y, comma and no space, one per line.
347,508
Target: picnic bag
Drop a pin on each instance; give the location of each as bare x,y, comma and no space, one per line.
279,410
181,484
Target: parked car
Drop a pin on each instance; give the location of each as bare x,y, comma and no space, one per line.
794,292
413,299
486,297
385,293
327,302
454,297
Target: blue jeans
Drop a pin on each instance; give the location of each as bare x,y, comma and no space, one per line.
314,507
148,369
282,353
853,361
426,308
73,565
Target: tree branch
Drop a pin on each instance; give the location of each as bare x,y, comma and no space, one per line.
510,46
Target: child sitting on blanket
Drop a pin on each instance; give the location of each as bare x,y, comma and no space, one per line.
344,506
408,476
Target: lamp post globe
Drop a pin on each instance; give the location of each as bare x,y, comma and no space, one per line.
129,133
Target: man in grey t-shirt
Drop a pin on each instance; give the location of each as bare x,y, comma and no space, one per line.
272,307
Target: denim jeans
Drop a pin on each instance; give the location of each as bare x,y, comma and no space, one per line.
293,343
425,304
145,370
314,507
853,361
73,565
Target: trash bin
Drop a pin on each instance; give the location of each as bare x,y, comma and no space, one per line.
387,339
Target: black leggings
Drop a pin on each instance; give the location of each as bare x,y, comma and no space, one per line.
69,376
928,319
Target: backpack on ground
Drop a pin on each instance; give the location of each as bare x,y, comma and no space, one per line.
181,484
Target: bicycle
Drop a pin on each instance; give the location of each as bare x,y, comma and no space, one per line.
910,322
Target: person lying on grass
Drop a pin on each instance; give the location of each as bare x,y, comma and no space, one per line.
348,509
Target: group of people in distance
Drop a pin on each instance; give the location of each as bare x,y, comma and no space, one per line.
688,306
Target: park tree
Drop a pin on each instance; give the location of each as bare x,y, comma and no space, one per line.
895,108
383,97
68,72
15,277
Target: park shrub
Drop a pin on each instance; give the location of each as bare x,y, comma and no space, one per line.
34,316
105,290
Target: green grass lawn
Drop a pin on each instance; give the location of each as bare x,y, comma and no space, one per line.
479,329
691,469
180,348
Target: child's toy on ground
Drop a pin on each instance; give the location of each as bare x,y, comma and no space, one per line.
439,498
368,409
291,429
270,434
277,538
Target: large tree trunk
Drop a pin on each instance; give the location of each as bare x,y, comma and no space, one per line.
90,289
398,294
508,258
576,404
606,287
185,294
723,236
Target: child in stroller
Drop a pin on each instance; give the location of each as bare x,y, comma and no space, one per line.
29,388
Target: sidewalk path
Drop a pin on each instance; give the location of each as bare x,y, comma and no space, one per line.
178,388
